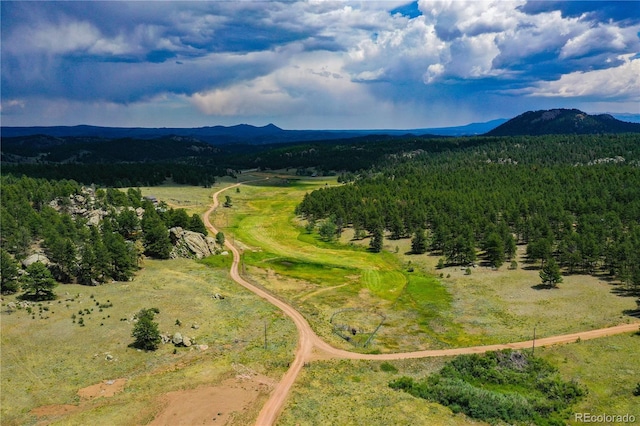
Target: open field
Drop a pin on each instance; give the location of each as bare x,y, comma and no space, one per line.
357,392
423,311
46,361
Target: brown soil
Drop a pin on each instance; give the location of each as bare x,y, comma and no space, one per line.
105,388
211,405
54,410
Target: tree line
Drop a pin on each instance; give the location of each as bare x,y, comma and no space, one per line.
558,197
87,254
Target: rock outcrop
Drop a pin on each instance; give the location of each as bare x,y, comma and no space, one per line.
192,244
36,257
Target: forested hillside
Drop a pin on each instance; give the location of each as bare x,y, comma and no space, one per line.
86,235
572,199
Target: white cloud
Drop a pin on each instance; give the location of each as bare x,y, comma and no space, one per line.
60,39
601,38
622,82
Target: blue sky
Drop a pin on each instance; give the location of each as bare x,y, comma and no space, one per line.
314,64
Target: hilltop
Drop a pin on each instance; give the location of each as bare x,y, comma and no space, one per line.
562,121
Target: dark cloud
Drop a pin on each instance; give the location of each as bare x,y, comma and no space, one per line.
603,11
279,58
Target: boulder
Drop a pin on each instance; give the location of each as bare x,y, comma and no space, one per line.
186,341
36,257
191,244
94,217
177,339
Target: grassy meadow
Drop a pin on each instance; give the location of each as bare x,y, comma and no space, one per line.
357,392
47,355
426,308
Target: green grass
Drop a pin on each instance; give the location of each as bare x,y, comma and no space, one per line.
423,311
357,392
609,367
321,278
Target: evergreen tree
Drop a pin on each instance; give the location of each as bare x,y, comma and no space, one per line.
196,224
377,238
156,236
8,273
419,242
122,256
510,247
103,262
38,283
178,217
127,223
87,272
550,273
328,230
145,331
494,248
220,238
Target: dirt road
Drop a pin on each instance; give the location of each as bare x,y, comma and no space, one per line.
308,340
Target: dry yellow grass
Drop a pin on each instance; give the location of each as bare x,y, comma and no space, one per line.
46,361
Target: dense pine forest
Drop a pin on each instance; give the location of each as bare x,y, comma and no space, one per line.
573,200
88,235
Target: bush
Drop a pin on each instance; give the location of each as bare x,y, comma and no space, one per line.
507,386
145,331
388,367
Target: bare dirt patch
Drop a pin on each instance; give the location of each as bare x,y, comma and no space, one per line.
53,410
106,388
212,405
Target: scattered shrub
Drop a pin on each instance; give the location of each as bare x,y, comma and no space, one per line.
388,367
508,386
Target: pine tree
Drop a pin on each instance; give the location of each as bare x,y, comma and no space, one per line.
377,238
419,242
328,230
145,330
38,283
196,224
550,273
156,236
8,273
494,247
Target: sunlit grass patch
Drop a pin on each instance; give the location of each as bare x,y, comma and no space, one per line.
46,361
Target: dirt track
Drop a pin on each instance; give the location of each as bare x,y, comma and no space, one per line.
311,347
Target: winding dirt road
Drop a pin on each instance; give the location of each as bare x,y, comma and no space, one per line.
308,340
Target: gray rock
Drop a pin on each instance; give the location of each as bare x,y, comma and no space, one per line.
186,341
36,257
177,339
94,217
191,244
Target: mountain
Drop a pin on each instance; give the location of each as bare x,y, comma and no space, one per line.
562,121
215,135
244,134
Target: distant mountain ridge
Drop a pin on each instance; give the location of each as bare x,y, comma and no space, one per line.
238,134
217,135
555,121
562,121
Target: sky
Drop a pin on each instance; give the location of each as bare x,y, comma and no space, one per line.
314,64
